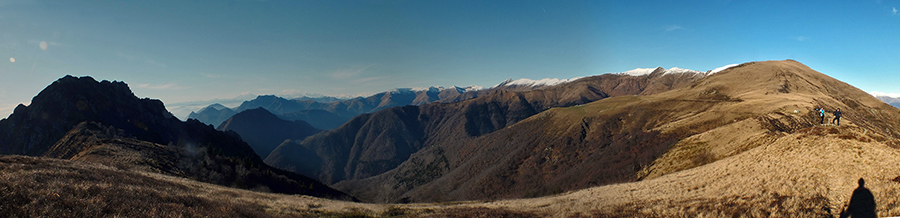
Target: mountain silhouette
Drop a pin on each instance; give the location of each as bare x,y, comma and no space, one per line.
82,119
264,131
213,114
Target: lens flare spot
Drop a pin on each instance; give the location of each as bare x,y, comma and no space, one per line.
12,60
44,45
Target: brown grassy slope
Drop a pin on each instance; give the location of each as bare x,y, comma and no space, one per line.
376,143
44,187
93,142
49,187
549,154
775,97
749,154
620,139
811,176
811,173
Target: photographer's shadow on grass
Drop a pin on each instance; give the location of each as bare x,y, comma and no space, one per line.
862,203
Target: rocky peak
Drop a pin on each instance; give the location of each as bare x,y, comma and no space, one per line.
30,130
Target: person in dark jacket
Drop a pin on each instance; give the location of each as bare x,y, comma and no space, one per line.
837,117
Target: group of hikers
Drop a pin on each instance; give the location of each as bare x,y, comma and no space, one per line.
837,116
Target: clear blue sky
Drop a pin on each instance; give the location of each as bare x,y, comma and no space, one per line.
191,52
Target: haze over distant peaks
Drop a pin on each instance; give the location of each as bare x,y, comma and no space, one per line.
892,99
436,89
330,112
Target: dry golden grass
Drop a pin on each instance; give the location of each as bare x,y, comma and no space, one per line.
812,176
810,173
48,187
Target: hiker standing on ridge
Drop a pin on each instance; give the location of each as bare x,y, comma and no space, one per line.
837,117
821,115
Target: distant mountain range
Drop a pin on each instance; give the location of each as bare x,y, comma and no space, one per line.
264,131
599,130
893,100
82,119
387,156
738,140
331,112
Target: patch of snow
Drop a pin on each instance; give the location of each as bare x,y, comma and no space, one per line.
473,88
639,71
648,71
535,83
679,70
892,95
722,68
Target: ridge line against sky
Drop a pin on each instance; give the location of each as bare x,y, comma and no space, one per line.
186,51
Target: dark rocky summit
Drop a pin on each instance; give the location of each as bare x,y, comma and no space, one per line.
77,118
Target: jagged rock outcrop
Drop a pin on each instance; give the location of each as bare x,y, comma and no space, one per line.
74,117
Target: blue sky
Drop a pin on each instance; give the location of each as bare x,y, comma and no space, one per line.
191,53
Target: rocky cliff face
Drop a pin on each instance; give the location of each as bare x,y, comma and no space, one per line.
31,130
74,117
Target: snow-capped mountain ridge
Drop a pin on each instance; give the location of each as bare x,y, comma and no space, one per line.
643,71
647,71
525,82
535,83
658,70
680,70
